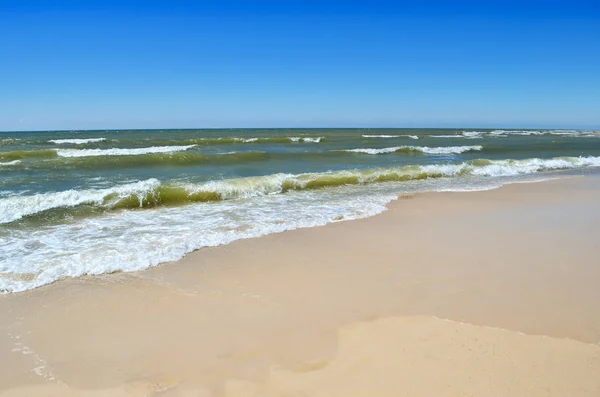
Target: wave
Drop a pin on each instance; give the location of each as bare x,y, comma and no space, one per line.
528,132
14,208
27,154
152,193
120,152
506,133
473,134
258,140
181,158
391,136
291,139
10,163
570,133
76,141
136,240
8,141
418,149
173,159
307,139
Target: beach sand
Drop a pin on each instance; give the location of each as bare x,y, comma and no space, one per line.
493,293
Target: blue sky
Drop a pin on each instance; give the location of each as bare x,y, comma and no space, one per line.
193,64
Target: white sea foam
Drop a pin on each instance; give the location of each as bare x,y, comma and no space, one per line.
16,207
420,149
10,163
136,240
497,168
374,151
76,141
391,136
120,152
450,150
473,134
306,139
267,139
506,133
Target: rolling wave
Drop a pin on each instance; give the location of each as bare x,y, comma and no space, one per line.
417,149
76,141
152,193
258,140
506,133
10,162
307,139
120,152
8,141
172,159
391,136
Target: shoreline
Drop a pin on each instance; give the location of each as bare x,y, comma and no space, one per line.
519,258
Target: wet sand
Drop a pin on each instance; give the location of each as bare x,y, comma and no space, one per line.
481,293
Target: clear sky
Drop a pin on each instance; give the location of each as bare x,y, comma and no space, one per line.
193,64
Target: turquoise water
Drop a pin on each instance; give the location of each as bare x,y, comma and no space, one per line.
90,202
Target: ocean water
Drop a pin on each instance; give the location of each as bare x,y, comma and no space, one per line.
90,202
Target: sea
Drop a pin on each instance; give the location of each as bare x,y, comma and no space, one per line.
76,203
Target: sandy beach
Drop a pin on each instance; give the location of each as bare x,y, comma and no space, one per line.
493,293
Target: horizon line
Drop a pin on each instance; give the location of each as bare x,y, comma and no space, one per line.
297,128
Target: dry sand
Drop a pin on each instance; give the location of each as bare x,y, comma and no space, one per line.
491,293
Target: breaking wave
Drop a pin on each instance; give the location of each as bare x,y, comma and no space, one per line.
418,149
76,141
120,152
10,162
391,136
152,193
239,140
506,133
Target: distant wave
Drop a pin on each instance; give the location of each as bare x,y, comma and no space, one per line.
571,133
120,152
505,133
293,139
417,149
76,141
306,139
152,193
10,162
8,140
238,140
391,136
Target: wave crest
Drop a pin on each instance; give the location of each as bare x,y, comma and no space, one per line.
239,140
152,193
507,133
76,141
391,136
10,163
120,152
418,149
